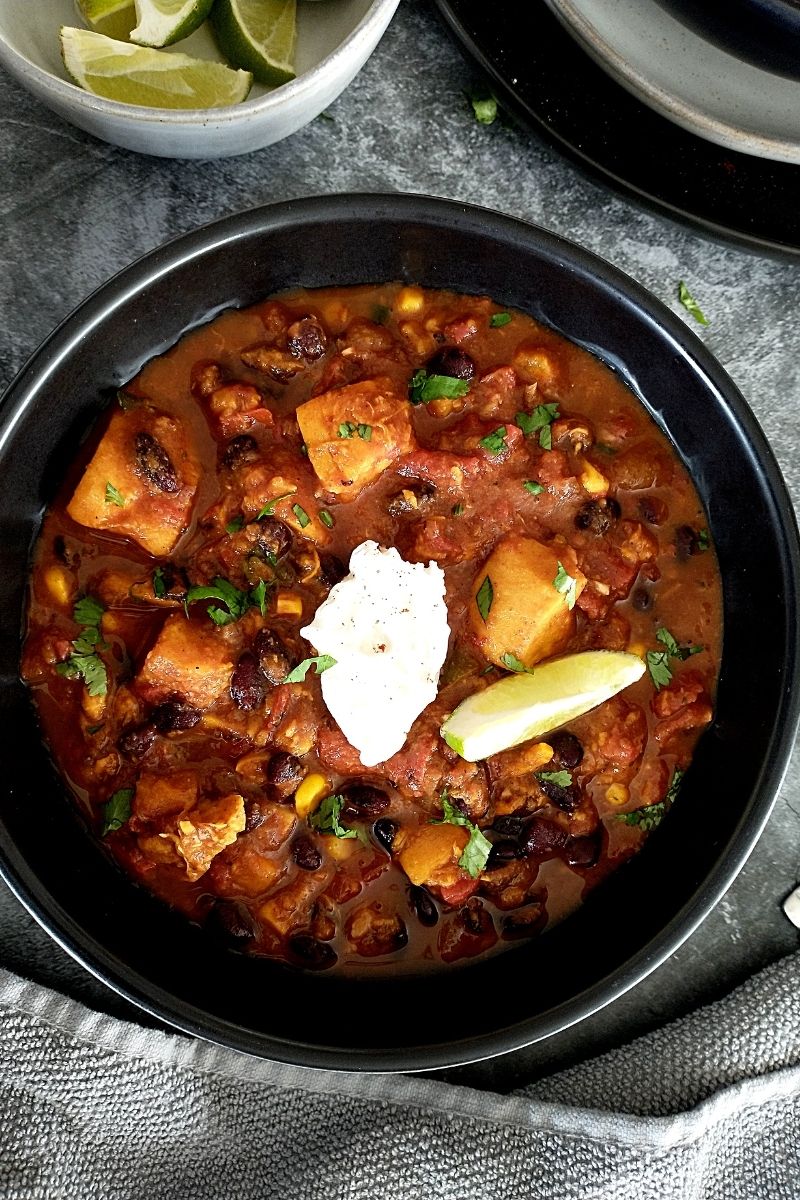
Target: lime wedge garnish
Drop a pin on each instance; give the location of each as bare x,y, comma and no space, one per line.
520,707
114,18
157,78
258,35
162,22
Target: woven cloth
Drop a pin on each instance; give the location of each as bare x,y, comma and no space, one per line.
96,1107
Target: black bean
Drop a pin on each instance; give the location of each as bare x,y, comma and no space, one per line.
652,510
174,716
566,798
583,851
153,463
306,854
503,853
385,832
509,827
567,750
642,600
452,361
248,685
272,656
331,570
520,925
254,815
136,741
239,450
598,516
274,538
363,800
315,955
687,542
543,838
284,770
231,922
423,904
306,339
474,917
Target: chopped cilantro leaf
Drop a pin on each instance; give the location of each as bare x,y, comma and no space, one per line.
458,510
159,584
125,400
562,779
235,601
703,539
495,442
690,304
380,314
533,487
539,420
498,320
346,429
326,818
512,663
566,585
303,519
424,387
674,785
258,597
321,661
87,611
680,652
365,432
484,597
269,507
658,666
646,818
235,525
484,107
117,810
477,850
114,496
326,518
84,661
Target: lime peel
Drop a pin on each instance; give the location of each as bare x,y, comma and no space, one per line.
520,707
162,22
258,35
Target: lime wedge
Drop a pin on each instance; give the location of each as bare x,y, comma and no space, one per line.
114,18
258,35
134,75
162,22
520,707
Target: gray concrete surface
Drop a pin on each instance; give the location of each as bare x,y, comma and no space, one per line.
73,211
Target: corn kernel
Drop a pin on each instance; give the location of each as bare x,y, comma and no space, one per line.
409,301
637,648
310,793
59,584
534,365
617,793
341,848
592,481
288,604
93,706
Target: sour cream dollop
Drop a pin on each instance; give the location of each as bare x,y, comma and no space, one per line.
386,626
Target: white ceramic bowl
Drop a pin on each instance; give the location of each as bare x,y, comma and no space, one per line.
334,40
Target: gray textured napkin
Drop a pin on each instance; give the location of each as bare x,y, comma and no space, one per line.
95,1107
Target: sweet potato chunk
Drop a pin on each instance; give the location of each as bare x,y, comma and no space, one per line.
141,482
193,660
524,614
354,433
429,854
160,796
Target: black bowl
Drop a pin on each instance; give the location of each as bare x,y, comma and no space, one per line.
161,962
763,32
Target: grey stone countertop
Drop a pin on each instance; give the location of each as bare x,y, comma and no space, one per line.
75,210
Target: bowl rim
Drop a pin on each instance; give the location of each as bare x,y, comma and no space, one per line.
103,303
378,14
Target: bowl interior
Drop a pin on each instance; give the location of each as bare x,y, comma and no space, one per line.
32,31
648,906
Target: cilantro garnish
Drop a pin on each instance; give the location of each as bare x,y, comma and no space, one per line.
235,601
235,525
562,779
690,304
539,420
658,660
117,810
477,850
326,518
703,539
646,818
84,662
326,818
512,663
346,429
498,320
321,661
458,510
269,507
303,519
674,785
484,597
566,585
495,442
159,584
114,496
533,487
380,314
484,107
424,387
125,400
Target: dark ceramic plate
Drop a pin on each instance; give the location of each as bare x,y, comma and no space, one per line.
543,76
161,962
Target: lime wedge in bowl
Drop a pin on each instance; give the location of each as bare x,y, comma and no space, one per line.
521,707
154,78
114,18
162,22
258,35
